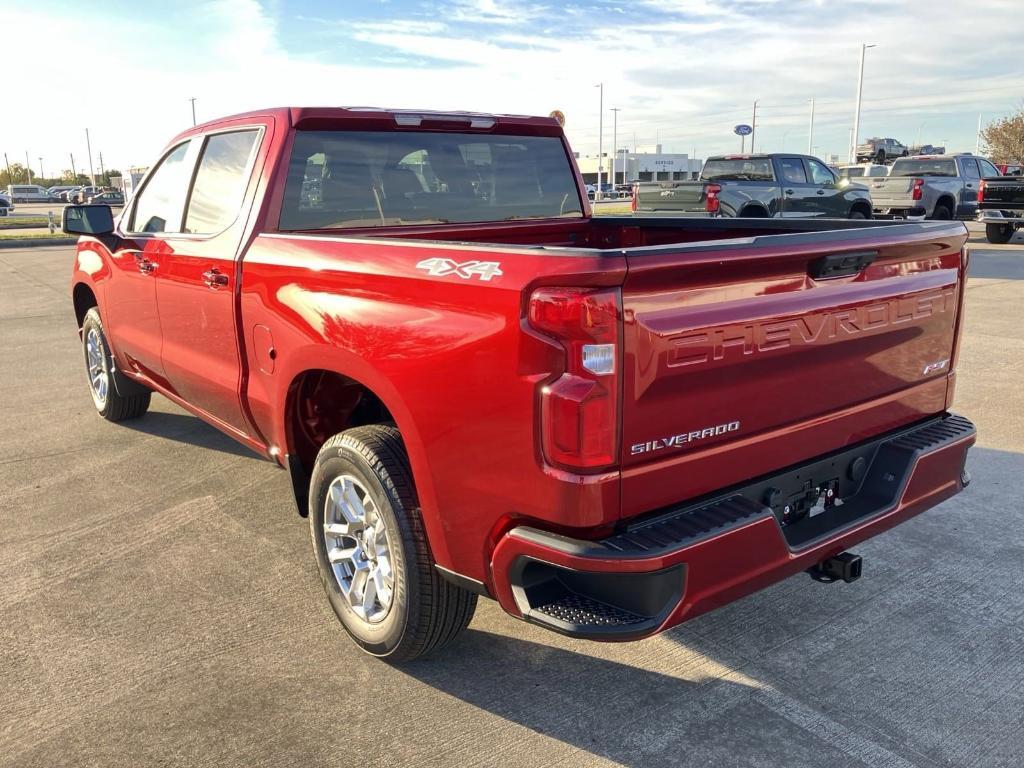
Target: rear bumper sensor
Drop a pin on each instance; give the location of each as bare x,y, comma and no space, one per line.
675,564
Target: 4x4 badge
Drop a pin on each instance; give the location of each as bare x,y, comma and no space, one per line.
438,267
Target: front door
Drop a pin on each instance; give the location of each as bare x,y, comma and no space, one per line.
798,199
968,206
196,284
828,197
129,302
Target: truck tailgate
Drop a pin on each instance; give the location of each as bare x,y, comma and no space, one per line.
892,192
1004,191
685,196
738,362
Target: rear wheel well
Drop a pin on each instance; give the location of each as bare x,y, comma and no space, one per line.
321,404
948,203
753,212
84,300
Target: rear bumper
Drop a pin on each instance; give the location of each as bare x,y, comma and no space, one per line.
684,561
884,209
1015,218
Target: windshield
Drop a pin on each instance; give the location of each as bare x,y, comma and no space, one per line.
382,178
923,168
738,169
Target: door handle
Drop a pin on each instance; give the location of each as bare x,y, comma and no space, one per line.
214,278
789,191
821,192
145,265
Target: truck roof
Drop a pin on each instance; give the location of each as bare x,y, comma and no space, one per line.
385,118
757,155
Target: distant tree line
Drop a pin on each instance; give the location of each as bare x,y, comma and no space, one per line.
17,175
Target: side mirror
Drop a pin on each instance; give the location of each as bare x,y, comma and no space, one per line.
87,220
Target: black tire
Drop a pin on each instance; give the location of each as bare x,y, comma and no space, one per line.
857,213
942,212
425,612
109,404
998,234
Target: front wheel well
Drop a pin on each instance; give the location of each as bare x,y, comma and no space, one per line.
861,206
84,300
320,404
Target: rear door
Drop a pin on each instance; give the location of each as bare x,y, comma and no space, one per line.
799,198
196,282
739,362
967,206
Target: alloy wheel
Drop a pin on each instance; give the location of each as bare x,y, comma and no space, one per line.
358,549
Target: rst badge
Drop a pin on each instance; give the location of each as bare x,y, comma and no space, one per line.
437,267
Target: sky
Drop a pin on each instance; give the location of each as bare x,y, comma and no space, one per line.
682,73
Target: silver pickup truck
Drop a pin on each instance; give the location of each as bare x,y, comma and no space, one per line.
931,186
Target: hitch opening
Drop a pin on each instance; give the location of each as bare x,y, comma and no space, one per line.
845,566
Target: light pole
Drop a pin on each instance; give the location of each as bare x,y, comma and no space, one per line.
810,132
41,174
193,100
922,125
753,127
615,141
856,114
600,140
977,137
28,167
88,147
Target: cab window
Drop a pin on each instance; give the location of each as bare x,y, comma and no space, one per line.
792,169
220,182
160,203
819,173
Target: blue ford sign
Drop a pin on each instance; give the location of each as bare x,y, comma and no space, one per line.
743,130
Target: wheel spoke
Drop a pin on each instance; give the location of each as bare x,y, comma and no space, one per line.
344,554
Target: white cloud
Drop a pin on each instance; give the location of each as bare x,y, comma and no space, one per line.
683,71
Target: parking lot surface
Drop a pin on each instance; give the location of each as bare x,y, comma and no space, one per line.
161,606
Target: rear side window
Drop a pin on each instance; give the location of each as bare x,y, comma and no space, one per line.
792,170
220,182
970,166
738,169
381,178
160,204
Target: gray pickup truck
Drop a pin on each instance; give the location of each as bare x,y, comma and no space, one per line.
931,186
879,150
1001,207
758,186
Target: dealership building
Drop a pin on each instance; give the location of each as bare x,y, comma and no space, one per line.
642,164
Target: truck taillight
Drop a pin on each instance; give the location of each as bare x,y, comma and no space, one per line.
917,190
580,409
711,202
636,193
981,191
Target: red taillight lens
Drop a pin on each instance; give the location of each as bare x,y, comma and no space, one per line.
917,190
711,202
636,193
981,191
580,409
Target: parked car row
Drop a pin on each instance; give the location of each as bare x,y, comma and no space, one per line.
33,193
800,186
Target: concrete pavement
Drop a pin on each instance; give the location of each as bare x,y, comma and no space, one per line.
160,606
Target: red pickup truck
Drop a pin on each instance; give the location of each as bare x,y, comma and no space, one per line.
609,425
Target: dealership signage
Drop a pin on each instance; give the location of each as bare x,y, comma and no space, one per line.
743,130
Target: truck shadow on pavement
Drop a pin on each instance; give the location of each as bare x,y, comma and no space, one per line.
621,711
188,429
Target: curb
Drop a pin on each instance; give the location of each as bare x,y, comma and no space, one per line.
13,242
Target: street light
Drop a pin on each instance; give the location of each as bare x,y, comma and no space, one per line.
615,142
193,100
600,140
856,114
